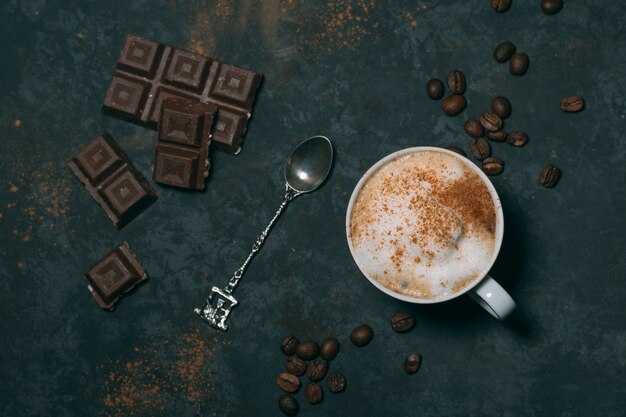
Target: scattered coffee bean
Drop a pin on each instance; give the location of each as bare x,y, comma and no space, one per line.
501,106
402,322
549,176
519,63
362,335
288,405
493,166
313,393
329,348
336,382
517,138
295,366
289,344
456,82
551,6
288,382
308,350
412,363
490,121
500,5
453,105
457,150
497,136
435,89
572,104
473,128
481,149
504,51
317,370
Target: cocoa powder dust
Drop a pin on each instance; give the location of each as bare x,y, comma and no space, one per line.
159,375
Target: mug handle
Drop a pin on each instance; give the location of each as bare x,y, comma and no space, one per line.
493,298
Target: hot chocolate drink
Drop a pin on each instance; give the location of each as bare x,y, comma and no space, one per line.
424,225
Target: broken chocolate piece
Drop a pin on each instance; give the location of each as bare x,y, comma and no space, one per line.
148,72
182,153
116,274
112,181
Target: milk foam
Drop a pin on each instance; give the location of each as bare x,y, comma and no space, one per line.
415,239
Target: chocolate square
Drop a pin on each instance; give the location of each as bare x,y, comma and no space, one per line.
228,131
117,273
180,127
236,85
140,55
186,69
123,192
176,166
99,158
127,96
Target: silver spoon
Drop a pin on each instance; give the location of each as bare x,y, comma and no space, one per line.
306,169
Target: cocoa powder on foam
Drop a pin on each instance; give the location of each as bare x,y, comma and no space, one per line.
446,200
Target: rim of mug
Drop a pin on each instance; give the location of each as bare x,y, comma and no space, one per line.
494,196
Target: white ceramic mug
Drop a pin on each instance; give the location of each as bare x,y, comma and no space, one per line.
485,290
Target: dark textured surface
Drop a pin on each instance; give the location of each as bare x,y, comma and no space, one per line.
362,83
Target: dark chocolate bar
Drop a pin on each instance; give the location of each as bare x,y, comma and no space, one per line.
111,179
182,152
116,274
148,72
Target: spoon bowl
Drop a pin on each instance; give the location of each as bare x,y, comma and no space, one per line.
308,164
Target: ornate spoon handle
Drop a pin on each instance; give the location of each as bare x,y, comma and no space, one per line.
220,301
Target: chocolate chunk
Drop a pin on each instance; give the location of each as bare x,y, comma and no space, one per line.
116,274
148,72
111,179
182,152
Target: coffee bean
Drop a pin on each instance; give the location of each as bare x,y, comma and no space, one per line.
517,138
497,136
500,5
453,105
501,106
457,150
308,350
549,176
435,89
313,393
329,348
504,51
317,370
572,104
289,345
493,166
473,128
336,382
551,6
412,363
295,366
490,121
288,405
362,335
519,63
288,382
480,149
456,82
402,322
